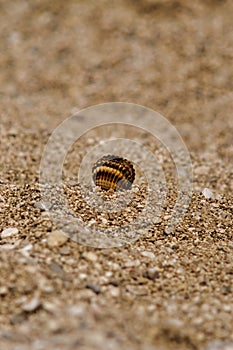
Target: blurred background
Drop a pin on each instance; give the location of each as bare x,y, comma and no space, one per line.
171,55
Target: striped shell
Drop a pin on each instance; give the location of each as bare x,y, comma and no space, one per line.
113,172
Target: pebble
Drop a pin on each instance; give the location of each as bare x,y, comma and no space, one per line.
8,232
71,262
26,249
114,266
31,305
44,286
114,292
56,239
148,254
43,205
2,201
64,251
52,307
220,345
53,326
90,256
76,310
137,290
93,287
56,268
151,307
72,183
12,131
132,263
151,273
3,290
92,222
7,246
207,193
108,274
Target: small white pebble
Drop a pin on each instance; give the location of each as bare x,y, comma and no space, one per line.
7,246
207,193
8,232
71,261
31,305
151,307
148,254
108,273
92,222
3,290
220,345
53,326
90,256
132,263
227,308
114,292
114,266
43,205
26,248
76,310
2,199
56,239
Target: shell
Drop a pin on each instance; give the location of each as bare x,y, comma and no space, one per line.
113,172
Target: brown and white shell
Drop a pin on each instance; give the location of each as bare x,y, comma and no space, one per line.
113,172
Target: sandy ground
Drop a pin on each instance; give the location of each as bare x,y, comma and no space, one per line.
165,291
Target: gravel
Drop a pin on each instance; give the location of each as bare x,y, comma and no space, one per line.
207,193
8,232
160,290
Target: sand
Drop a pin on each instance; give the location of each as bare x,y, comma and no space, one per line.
163,291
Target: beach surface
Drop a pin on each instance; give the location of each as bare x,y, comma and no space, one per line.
159,290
